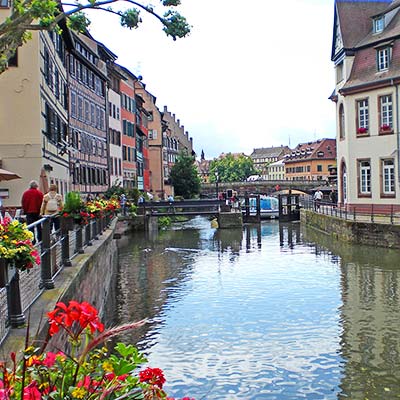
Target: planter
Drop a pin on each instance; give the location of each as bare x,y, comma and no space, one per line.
67,224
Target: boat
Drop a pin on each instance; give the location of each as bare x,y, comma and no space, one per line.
269,207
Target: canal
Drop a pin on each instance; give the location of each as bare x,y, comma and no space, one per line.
271,312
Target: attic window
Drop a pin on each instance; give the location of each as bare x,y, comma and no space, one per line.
379,24
320,154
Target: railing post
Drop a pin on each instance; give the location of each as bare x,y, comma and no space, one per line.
79,240
95,235
372,213
354,214
16,317
46,279
65,249
391,214
88,236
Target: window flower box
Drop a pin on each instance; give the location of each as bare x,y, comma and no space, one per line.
362,130
386,128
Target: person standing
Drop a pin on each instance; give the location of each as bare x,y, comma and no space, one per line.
31,203
318,195
52,203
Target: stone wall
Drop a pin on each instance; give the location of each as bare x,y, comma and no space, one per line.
366,233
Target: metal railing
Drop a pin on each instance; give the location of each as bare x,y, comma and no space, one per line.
20,289
358,213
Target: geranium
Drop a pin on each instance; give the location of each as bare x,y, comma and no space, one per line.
16,244
89,371
362,130
386,127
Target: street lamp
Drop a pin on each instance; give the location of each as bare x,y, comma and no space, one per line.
216,182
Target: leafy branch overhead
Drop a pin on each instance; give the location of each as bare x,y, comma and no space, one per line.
36,15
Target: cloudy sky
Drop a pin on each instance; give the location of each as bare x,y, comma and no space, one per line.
252,73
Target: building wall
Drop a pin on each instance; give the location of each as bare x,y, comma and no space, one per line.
114,123
375,147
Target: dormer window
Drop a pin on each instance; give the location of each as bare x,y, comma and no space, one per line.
379,24
383,58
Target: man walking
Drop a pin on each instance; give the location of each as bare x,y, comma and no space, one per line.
31,203
318,195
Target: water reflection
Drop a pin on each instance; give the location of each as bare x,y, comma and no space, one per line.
271,312
370,315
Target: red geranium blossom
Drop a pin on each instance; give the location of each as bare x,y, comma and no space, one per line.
82,314
154,376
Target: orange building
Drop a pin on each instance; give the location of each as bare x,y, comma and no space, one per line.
311,161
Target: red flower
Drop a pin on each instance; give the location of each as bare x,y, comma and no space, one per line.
386,127
31,392
76,314
362,130
154,376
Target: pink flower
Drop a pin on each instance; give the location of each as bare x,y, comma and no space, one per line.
31,392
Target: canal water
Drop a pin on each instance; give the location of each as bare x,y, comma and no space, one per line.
271,312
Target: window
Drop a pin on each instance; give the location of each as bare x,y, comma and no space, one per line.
362,117
4,3
364,171
386,113
319,168
342,134
73,104
388,182
383,59
379,24
339,72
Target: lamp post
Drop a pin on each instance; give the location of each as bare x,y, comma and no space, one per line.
216,182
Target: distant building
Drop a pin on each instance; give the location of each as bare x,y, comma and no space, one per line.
264,156
311,161
276,171
203,166
366,54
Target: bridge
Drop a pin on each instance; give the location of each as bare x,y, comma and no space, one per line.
207,207
209,190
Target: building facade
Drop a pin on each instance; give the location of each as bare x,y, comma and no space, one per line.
311,161
35,144
264,156
367,70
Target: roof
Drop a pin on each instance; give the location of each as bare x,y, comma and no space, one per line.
323,149
269,152
364,70
355,13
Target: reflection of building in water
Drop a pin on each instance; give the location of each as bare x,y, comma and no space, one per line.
229,240
370,318
253,237
289,234
370,315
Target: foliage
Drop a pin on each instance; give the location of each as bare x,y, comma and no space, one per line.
114,191
16,244
184,177
133,195
132,209
88,371
164,222
36,15
231,168
73,203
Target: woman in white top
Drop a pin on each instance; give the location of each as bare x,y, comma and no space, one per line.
52,204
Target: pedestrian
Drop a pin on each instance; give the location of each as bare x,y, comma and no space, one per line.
318,195
333,197
123,203
52,204
31,203
171,198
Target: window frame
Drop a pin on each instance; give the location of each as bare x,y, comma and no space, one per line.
362,117
383,58
360,178
386,122
392,178
379,24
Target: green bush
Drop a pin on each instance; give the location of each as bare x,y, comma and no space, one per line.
73,203
164,222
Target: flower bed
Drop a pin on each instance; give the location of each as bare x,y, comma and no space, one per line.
89,371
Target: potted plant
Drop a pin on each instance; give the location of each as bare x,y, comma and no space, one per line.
16,248
73,210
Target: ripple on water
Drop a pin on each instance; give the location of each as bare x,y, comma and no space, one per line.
257,317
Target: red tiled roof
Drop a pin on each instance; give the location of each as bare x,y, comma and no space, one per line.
320,149
355,19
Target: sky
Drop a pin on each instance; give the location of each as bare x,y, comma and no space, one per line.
253,73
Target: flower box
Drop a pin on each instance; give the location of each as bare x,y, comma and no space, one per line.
386,128
362,130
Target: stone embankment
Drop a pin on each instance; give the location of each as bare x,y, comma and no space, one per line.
355,232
